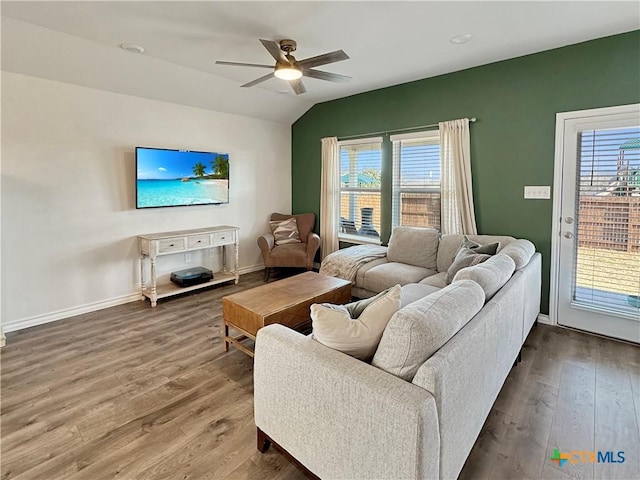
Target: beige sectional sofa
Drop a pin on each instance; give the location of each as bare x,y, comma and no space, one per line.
416,410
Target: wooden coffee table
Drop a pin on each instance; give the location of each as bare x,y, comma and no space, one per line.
286,302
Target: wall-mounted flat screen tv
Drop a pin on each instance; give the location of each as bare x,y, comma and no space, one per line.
175,178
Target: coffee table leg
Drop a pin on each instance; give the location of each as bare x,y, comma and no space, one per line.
226,335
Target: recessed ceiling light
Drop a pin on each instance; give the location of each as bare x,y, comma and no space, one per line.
131,47
460,39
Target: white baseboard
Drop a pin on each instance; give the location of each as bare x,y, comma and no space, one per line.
252,268
544,319
22,323
12,326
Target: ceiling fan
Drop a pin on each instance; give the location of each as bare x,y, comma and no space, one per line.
288,68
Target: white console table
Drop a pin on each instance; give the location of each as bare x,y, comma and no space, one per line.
156,245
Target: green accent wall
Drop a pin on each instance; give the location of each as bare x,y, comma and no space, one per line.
513,141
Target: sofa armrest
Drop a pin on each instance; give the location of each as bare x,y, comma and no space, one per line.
338,416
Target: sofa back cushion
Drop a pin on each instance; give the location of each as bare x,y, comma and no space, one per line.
520,251
450,244
414,246
418,330
491,275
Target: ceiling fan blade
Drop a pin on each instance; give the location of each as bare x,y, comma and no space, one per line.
323,59
258,80
274,49
297,86
236,64
320,75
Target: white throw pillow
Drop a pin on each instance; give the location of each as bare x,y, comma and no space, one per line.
355,328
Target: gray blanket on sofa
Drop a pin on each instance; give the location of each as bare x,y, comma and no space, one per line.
345,263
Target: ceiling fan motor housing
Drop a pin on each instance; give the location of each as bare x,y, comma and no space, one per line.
288,45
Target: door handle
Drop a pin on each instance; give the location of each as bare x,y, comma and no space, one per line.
568,235
568,220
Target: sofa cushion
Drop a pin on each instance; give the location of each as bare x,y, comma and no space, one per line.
415,291
285,232
362,271
389,274
418,330
355,328
414,246
438,280
520,251
491,275
465,258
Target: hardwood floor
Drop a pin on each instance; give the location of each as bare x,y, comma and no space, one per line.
134,392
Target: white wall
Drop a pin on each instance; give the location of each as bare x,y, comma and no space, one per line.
69,221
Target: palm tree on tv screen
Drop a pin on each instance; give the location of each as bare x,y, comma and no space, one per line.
221,166
198,169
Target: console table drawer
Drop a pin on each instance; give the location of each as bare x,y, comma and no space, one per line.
166,245
198,241
223,238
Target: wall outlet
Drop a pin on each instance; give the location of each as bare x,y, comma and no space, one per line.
212,252
187,258
537,192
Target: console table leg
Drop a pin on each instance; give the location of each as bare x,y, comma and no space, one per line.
263,441
154,290
143,281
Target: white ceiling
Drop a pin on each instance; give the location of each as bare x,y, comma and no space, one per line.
388,42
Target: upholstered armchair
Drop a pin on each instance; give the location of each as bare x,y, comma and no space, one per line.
298,255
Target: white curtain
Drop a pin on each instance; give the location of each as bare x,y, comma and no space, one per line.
329,195
456,192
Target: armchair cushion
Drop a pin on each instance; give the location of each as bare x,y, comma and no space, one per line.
285,231
295,252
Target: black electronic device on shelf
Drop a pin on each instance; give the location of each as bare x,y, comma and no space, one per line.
191,276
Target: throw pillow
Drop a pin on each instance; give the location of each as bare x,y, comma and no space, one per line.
489,248
465,258
285,231
355,328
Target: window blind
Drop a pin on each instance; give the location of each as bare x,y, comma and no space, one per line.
607,265
360,174
416,179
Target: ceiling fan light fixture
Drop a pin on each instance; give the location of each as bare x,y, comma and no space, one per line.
287,72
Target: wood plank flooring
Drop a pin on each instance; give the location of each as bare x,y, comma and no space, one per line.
133,392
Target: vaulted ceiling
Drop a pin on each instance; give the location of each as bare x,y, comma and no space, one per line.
388,42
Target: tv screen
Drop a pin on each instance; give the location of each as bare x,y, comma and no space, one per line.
175,178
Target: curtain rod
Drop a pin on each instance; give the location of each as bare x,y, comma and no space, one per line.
472,120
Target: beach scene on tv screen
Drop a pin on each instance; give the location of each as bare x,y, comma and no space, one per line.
167,178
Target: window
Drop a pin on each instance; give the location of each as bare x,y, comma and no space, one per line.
360,173
416,179
607,260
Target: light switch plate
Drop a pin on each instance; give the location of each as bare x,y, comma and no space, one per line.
537,192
